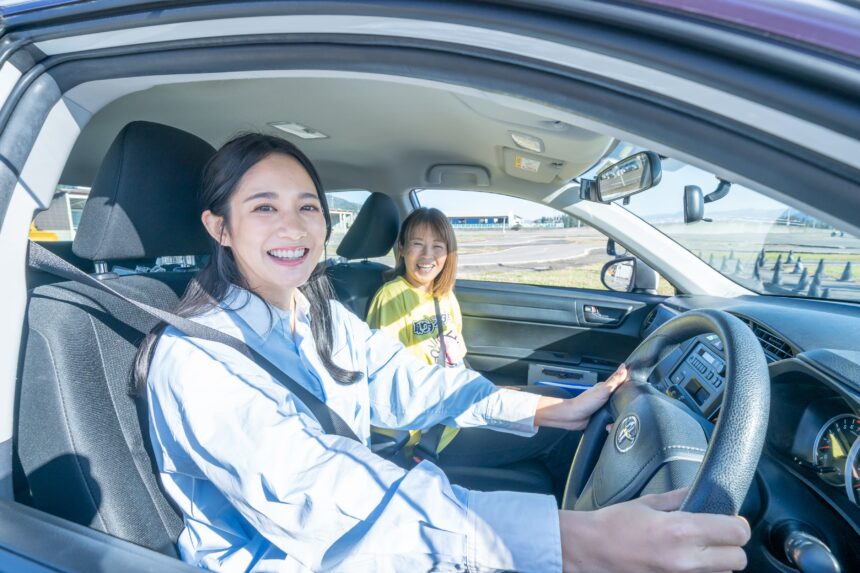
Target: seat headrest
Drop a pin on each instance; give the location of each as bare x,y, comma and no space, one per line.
143,202
374,230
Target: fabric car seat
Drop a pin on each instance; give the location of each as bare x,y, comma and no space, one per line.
372,234
81,433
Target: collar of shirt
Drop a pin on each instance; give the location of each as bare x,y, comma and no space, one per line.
422,295
261,316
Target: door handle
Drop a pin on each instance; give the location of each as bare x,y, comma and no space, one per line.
594,315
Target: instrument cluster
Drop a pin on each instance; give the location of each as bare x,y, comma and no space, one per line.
821,435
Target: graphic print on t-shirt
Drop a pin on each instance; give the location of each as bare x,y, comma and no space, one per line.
426,326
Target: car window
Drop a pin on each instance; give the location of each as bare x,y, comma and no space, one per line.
759,242
511,240
62,217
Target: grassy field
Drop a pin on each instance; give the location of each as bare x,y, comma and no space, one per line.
580,276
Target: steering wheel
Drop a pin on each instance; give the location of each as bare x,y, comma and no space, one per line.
656,444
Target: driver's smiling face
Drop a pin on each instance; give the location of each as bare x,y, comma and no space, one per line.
276,227
424,256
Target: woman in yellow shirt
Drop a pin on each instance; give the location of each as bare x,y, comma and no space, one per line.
411,307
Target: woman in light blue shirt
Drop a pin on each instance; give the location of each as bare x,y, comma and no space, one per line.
263,488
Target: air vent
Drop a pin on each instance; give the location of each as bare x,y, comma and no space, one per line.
649,320
775,348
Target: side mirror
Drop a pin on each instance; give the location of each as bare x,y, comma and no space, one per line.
627,177
619,275
694,204
629,274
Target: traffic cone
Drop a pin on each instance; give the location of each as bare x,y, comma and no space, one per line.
804,281
777,273
798,267
819,270
846,274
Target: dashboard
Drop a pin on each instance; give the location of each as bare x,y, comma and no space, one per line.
809,472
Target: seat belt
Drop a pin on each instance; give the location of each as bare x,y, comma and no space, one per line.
39,258
442,359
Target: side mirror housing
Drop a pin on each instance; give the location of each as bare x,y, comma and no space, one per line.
619,275
629,274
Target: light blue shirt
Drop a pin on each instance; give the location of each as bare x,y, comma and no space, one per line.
262,488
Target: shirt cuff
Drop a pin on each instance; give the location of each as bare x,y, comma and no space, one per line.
512,411
510,531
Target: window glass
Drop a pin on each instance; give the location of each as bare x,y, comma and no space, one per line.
61,219
506,239
756,241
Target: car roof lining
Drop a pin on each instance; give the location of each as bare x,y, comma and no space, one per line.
393,130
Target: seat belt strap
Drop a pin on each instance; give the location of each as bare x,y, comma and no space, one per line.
442,359
41,259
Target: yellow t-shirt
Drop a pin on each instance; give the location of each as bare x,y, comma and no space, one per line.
409,315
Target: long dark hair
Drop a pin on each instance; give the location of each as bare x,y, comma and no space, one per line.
208,289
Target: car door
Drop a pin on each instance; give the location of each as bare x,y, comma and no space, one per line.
534,307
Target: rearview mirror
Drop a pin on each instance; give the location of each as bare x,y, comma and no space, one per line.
626,177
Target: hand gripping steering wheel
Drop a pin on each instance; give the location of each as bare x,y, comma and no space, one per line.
656,444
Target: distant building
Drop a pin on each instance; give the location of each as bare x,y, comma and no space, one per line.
485,221
63,215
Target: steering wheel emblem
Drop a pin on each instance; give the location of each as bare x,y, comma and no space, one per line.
626,434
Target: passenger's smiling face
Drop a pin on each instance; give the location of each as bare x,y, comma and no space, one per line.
424,256
276,228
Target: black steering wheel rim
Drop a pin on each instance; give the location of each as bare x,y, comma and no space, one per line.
730,458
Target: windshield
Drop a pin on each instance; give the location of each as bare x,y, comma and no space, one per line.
752,239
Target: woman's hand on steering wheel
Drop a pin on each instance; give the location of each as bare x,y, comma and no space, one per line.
573,413
648,534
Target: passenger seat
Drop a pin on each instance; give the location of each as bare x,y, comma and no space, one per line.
373,234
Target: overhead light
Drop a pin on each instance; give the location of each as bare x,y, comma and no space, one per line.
298,130
528,142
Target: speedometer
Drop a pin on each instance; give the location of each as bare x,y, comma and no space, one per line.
832,445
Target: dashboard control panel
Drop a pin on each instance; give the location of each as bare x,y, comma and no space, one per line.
699,377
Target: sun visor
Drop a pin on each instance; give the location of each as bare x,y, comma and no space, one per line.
530,166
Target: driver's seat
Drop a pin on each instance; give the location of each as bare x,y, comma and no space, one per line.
81,434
